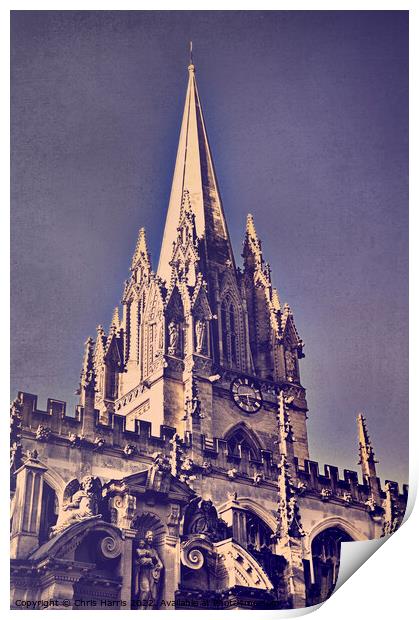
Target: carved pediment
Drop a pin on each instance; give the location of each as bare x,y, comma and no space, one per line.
156,478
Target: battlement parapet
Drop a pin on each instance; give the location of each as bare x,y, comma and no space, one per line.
330,484
55,423
216,451
55,410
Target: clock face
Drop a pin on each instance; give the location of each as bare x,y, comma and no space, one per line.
246,395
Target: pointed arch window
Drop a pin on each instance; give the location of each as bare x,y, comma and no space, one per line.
241,444
259,535
111,391
229,329
325,553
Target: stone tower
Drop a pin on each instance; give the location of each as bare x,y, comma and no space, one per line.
200,331
184,477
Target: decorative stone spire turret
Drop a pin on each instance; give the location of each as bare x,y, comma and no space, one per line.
141,251
289,531
87,376
366,453
141,261
252,247
115,321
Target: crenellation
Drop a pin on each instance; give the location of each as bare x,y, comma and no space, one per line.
330,485
58,426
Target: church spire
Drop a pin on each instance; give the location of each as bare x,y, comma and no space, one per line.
194,173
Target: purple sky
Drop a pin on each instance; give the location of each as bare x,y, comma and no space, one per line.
307,115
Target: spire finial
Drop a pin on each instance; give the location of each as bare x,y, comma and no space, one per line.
191,66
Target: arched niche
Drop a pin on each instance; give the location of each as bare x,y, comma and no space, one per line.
52,496
49,511
148,560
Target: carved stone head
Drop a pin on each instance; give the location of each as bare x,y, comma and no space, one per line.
89,484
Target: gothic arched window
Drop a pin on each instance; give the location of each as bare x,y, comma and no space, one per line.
241,444
259,535
325,553
229,329
111,391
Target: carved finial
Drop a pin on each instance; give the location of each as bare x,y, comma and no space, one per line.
366,452
100,331
250,226
191,66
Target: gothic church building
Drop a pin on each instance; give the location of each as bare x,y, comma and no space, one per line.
184,477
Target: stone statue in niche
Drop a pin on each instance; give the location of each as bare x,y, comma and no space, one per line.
291,365
81,502
148,572
200,335
174,338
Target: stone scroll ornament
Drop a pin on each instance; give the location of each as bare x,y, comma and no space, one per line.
81,502
148,569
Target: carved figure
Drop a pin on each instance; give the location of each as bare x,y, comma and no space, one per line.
325,494
371,504
173,329
201,518
129,449
149,568
200,333
83,504
290,364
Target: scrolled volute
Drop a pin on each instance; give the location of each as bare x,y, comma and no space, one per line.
194,551
110,547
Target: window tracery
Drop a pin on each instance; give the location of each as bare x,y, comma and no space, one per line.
229,329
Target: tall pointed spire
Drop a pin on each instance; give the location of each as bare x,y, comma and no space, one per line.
194,172
366,452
